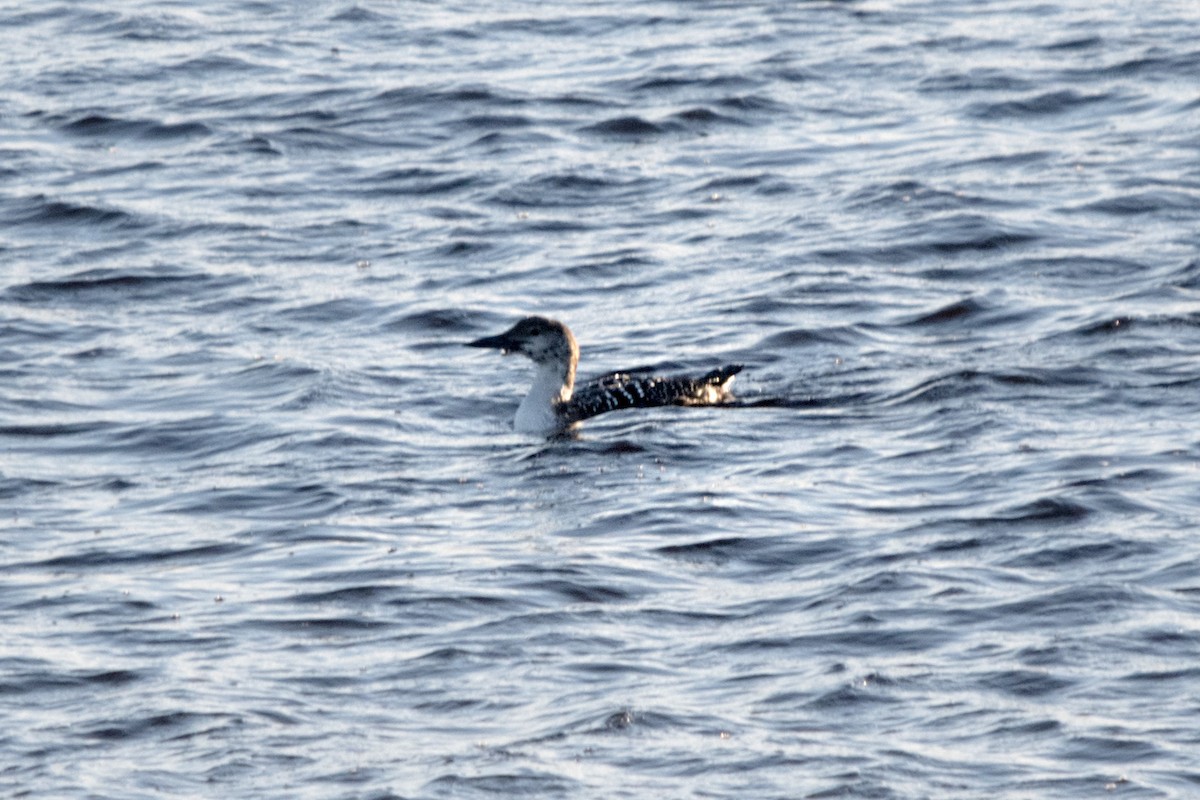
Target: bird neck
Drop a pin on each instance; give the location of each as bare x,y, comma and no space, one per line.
553,383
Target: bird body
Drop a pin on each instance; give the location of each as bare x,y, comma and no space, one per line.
553,404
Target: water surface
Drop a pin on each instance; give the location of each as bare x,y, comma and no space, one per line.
268,531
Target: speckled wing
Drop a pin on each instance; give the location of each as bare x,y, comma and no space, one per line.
622,390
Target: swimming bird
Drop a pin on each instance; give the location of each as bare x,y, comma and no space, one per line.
554,405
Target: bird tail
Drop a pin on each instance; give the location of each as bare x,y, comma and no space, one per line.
721,375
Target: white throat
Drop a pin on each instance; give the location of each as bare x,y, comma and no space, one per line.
538,412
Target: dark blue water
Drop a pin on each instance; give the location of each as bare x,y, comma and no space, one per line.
267,531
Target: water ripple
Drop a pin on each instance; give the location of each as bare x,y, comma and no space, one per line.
263,513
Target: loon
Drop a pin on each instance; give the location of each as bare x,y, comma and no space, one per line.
553,403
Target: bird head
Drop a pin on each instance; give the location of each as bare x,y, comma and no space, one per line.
538,338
